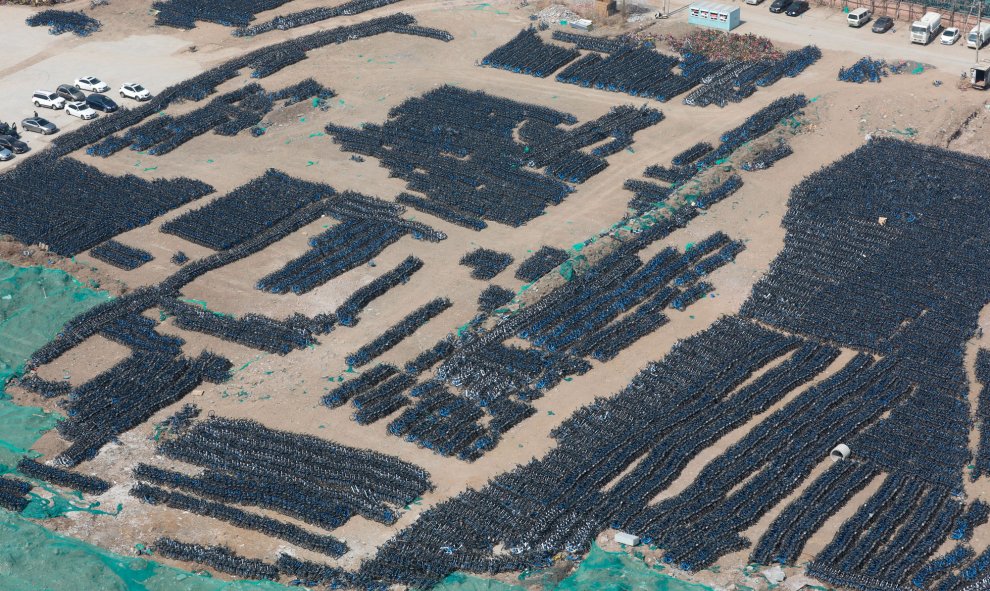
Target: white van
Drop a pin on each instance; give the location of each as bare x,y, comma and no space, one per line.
858,17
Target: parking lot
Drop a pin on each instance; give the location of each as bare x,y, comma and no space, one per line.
827,28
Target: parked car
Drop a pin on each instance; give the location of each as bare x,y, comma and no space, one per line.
92,84
883,24
950,36
101,102
5,154
779,6
80,109
135,91
70,93
14,145
47,98
39,125
798,8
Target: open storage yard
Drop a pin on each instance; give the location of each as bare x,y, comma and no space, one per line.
401,289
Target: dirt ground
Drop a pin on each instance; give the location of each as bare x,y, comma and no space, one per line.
370,76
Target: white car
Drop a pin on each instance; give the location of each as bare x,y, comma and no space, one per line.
92,84
47,98
80,109
949,36
134,91
5,154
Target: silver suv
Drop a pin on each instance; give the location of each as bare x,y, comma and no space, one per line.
47,98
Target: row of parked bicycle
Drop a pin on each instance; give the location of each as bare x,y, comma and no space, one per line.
931,343
557,503
304,477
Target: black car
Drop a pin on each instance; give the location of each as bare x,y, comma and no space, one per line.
15,146
70,93
798,8
39,125
101,102
779,6
883,24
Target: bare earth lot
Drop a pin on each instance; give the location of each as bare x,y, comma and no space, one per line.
370,76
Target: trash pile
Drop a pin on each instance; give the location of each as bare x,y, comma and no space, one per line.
724,47
865,70
64,21
555,13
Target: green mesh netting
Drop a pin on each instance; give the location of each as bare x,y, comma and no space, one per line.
618,571
35,559
34,305
600,571
463,582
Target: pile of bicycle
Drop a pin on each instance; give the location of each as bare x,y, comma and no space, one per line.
65,21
